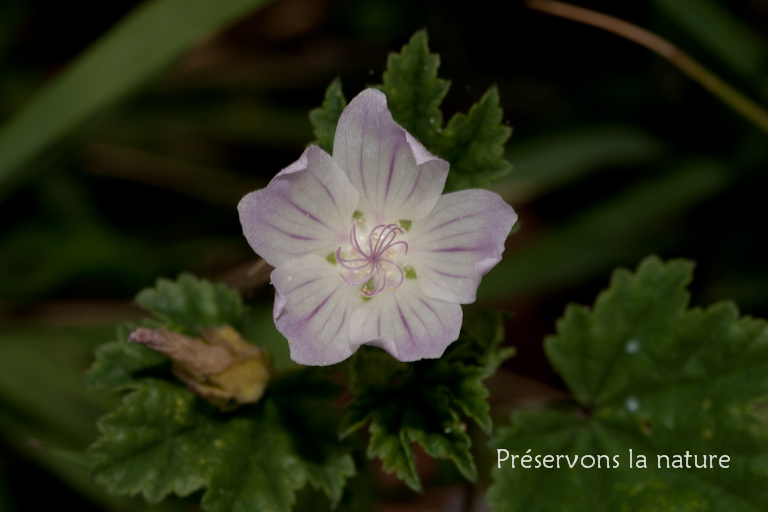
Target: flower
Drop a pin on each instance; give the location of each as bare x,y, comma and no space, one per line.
365,249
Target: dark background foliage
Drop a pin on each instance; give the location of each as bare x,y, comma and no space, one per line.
616,155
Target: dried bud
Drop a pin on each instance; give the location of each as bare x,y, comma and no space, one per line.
221,367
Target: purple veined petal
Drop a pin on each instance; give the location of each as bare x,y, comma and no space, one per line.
406,323
313,309
460,241
397,178
306,208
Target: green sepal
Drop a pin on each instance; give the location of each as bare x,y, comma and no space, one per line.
305,401
650,375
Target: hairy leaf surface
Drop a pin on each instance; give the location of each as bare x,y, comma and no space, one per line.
427,401
163,439
472,143
650,375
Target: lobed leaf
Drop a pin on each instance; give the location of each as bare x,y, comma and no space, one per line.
716,28
143,44
158,442
305,401
474,144
189,303
164,439
652,376
325,118
414,92
117,363
184,305
425,402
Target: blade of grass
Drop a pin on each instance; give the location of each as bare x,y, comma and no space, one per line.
45,414
5,494
72,468
139,47
166,173
619,231
35,383
718,30
557,160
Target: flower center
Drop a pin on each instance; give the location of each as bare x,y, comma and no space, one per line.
374,262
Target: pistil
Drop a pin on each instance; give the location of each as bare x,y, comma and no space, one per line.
381,244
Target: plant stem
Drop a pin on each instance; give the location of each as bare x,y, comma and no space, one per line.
727,94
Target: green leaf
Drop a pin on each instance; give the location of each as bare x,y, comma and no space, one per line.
141,45
474,144
184,305
426,401
157,443
305,401
117,363
414,92
164,440
189,303
325,118
652,376
331,476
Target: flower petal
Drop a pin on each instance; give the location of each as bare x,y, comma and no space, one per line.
306,208
460,241
313,308
406,323
396,177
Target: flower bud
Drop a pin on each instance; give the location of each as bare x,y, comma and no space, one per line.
221,366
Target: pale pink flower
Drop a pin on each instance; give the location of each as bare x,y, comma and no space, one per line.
365,249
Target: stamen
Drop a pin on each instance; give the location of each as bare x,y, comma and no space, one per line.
385,235
402,273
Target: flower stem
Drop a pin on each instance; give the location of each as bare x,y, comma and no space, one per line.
727,94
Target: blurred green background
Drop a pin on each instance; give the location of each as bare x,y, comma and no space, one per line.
129,131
